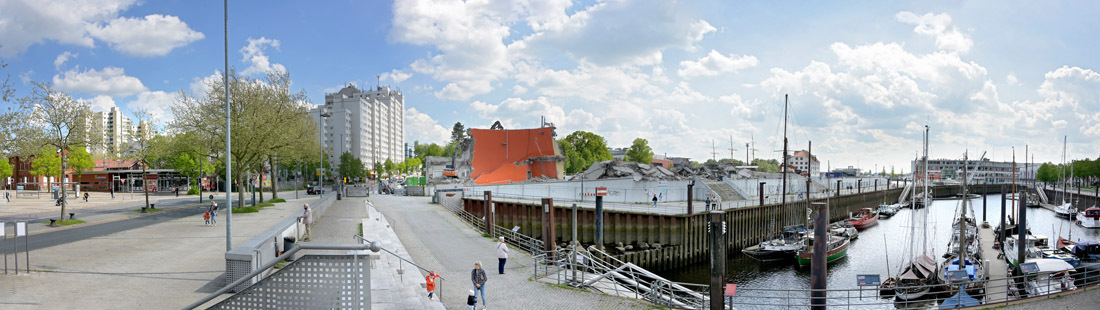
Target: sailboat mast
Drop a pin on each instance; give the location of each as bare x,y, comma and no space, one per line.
962,219
927,195
783,200
1064,188
1015,199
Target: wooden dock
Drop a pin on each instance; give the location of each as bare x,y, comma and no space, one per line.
996,269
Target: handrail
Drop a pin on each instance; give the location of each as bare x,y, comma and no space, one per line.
440,286
373,246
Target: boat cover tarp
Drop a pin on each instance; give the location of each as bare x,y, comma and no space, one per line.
1084,245
1050,264
921,268
959,300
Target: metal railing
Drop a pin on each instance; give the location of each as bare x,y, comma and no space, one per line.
401,264
597,270
1013,288
518,240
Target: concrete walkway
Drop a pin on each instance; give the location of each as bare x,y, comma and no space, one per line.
441,242
997,268
167,265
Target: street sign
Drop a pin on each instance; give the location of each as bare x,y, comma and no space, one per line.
731,289
21,229
1029,268
868,280
601,191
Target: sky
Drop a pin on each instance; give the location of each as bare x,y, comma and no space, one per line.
863,77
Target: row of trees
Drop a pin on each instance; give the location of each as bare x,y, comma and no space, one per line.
1083,169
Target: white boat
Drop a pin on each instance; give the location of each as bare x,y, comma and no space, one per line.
1053,276
1031,248
1066,210
1090,218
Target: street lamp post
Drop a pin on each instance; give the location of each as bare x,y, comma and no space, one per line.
321,147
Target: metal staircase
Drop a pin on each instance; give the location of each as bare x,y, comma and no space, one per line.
594,269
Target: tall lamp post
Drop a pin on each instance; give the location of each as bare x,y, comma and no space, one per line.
321,145
228,144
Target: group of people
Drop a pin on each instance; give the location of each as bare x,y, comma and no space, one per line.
211,215
477,277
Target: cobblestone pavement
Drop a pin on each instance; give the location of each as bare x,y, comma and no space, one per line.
439,241
1080,300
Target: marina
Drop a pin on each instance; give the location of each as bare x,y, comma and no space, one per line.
880,249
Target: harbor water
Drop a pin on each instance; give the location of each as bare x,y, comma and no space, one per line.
883,248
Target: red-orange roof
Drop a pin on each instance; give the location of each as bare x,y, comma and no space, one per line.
499,155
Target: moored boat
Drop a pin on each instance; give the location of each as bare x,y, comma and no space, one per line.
917,279
1065,210
838,248
886,211
1052,276
864,219
1090,218
779,249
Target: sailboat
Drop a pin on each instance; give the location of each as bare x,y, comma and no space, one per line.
964,249
1066,208
917,278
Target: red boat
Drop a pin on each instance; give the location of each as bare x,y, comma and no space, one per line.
865,218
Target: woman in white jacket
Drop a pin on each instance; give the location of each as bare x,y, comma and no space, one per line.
502,254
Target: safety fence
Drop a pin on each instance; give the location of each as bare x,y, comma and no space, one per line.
402,261
1042,285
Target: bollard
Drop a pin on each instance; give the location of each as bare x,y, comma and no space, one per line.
690,195
761,188
818,264
838,188
716,236
489,212
548,239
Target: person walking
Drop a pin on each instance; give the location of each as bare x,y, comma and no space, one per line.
85,196
502,254
471,300
708,203
307,219
213,210
654,200
478,277
430,281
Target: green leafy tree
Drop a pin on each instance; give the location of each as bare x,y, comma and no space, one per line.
640,152
582,149
59,121
80,161
5,169
1048,172
378,169
458,133
770,165
388,167
413,164
46,163
433,150
449,150
351,167
731,161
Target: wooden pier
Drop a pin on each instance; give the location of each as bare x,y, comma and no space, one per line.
996,268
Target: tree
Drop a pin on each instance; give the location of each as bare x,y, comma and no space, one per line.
458,133
46,163
265,117
388,167
1048,172
413,163
62,121
378,169
434,150
351,167
80,161
449,150
143,147
770,165
731,161
5,170
582,149
640,152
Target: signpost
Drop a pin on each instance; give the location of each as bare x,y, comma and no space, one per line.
867,280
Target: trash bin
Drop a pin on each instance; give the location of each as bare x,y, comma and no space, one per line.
288,242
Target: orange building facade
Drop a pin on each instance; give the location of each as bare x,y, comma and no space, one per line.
503,156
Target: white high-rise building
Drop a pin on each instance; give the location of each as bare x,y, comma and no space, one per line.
368,124
116,129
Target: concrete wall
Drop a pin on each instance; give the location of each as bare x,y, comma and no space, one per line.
798,184
618,190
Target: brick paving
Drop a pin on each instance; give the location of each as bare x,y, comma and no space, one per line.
438,240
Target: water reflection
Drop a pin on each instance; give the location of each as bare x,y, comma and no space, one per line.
881,249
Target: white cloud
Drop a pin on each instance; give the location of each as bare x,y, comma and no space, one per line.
715,63
421,127
939,26
111,81
257,60
100,103
25,77
200,86
1012,80
621,32
62,58
157,103
153,35
397,76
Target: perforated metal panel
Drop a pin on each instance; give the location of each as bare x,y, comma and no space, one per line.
235,269
311,282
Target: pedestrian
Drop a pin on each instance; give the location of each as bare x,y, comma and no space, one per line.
7,197
471,300
502,254
654,200
708,203
177,190
478,277
213,210
430,280
307,219
85,196
206,217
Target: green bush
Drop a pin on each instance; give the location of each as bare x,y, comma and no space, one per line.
193,191
265,205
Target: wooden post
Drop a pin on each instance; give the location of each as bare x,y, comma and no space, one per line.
599,222
762,193
1021,238
489,212
548,224
690,195
818,264
716,236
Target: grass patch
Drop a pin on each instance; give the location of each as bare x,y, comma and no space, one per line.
265,205
487,235
246,210
69,222
148,210
277,200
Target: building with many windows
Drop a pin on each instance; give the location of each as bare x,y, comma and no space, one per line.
368,124
803,164
983,171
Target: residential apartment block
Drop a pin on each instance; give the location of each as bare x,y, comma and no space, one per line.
369,124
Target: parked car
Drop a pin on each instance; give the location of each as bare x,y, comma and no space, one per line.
314,190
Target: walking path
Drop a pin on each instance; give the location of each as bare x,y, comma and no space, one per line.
997,269
441,242
166,265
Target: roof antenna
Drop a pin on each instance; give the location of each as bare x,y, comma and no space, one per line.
378,82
